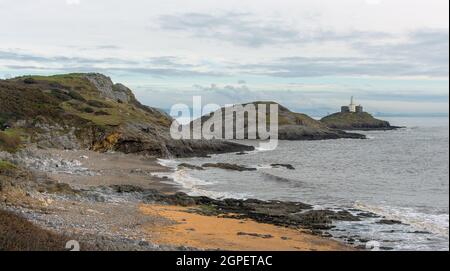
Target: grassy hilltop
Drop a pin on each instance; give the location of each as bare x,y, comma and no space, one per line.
356,121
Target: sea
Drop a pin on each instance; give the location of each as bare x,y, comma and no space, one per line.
400,175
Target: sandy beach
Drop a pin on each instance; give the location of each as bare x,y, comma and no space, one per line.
211,232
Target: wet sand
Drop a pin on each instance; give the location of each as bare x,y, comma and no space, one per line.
113,169
219,233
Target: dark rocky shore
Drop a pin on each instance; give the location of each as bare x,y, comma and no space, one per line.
280,213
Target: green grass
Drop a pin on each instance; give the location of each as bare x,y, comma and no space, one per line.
5,165
345,120
10,142
71,100
351,118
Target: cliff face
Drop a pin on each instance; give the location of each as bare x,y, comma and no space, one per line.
295,126
89,111
356,121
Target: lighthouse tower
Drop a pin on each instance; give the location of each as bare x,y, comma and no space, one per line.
352,105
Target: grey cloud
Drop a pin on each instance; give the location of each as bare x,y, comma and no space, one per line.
7,55
107,47
169,61
157,66
316,67
229,93
165,72
244,30
428,49
425,53
154,72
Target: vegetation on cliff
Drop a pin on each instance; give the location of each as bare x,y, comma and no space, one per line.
9,142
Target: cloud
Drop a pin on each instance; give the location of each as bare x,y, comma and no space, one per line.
421,53
426,51
373,2
60,60
300,67
73,2
246,29
418,53
165,66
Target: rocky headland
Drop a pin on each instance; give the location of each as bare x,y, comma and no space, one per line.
291,125
361,121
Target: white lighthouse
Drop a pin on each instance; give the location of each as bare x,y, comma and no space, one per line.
352,107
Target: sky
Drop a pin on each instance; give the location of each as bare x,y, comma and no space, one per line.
309,55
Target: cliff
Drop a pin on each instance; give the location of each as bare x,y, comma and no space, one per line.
89,111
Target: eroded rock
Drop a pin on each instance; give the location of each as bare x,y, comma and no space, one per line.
228,166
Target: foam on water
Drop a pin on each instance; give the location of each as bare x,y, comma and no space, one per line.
170,163
191,185
434,223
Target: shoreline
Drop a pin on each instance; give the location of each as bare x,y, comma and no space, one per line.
224,233
105,209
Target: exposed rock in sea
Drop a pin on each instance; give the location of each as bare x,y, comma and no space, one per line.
228,166
389,222
288,166
189,166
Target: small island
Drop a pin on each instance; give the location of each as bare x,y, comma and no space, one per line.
353,117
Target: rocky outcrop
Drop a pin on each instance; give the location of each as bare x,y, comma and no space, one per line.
189,166
389,222
291,125
287,166
356,121
32,160
228,166
104,84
